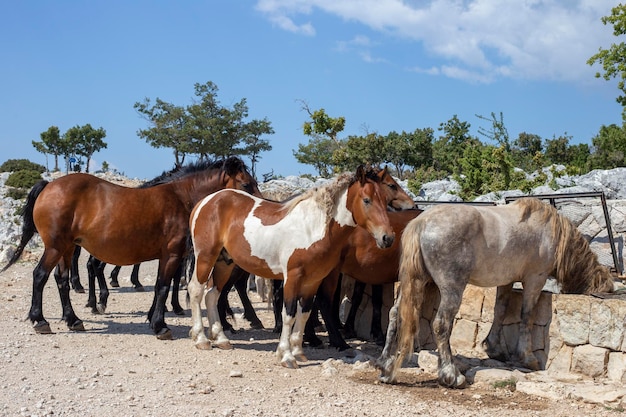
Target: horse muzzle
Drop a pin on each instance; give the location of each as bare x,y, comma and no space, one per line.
385,241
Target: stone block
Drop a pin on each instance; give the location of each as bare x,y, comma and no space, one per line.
472,304
616,367
463,336
590,360
606,327
489,303
573,313
561,363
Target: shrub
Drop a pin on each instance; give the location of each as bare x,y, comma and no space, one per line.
13,165
20,182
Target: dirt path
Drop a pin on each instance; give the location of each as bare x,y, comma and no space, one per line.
118,368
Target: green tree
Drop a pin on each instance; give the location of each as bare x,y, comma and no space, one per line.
557,150
84,141
497,133
319,154
613,59
253,144
356,150
168,127
414,149
51,144
205,128
449,148
609,147
527,152
579,159
320,151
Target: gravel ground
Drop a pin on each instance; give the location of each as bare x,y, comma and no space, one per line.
118,368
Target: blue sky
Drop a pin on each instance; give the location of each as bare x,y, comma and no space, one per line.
382,64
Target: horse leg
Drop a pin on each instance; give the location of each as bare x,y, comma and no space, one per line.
91,281
248,310
62,277
196,290
324,299
451,296
277,300
386,360
223,307
309,328
297,334
377,306
40,277
156,315
114,276
357,298
176,307
74,275
134,278
493,342
215,326
102,285
530,295
283,352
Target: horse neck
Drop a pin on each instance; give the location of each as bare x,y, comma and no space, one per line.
194,188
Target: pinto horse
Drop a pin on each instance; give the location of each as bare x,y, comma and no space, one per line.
485,246
298,241
119,225
397,199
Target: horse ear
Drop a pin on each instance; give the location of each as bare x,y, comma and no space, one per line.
360,174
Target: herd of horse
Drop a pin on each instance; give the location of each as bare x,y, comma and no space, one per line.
361,224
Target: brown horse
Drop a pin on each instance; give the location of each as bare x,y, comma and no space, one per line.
453,245
366,263
298,241
121,226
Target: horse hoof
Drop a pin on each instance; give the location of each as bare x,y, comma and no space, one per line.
42,328
301,357
139,288
179,311
257,325
165,334
101,308
78,326
223,345
115,284
289,363
79,290
206,345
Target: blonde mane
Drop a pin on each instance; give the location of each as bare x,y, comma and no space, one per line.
324,196
574,259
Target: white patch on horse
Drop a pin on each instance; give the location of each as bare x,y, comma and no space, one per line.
304,225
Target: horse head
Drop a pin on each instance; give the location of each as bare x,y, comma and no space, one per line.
367,200
235,175
397,198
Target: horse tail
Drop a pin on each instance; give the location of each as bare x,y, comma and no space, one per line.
412,274
28,224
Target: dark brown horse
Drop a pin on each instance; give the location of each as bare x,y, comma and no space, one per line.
299,242
121,226
366,263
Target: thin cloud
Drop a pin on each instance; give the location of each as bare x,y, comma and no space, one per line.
480,40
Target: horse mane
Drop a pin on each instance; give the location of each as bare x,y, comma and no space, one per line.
576,266
230,165
325,195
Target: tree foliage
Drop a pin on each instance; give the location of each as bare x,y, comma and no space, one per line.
613,59
78,141
205,128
